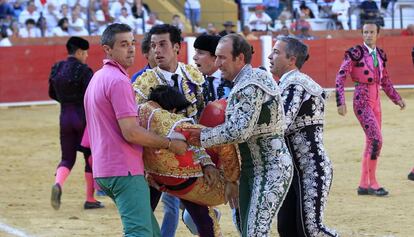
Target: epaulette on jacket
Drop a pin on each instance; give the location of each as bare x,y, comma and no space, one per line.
355,53
382,55
143,84
194,75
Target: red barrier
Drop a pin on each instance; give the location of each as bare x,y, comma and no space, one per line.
326,56
25,70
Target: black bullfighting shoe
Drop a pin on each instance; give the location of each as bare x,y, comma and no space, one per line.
411,176
93,205
380,192
362,191
56,195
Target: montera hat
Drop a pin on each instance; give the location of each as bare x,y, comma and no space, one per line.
77,42
207,42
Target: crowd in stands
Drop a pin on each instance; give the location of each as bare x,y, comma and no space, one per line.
48,18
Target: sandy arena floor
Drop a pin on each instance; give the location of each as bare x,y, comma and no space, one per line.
29,153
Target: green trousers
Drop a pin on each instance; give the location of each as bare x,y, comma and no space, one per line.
132,199
264,181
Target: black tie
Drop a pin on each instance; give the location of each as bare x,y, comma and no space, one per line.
211,93
174,77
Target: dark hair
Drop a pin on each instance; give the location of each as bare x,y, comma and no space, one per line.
3,31
61,21
168,98
146,43
175,33
239,46
108,36
371,23
30,21
295,47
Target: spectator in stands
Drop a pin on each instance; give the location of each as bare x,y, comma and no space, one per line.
340,9
282,21
306,11
192,9
228,28
409,31
4,40
72,3
247,34
127,19
140,10
77,23
304,34
211,29
64,12
259,20
13,30
29,30
116,8
6,10
102,18
284,31
325,8
176,21
300,23
312,4
152,21
369,12
29,13
42,26
62,28
273,8
51,16
17,8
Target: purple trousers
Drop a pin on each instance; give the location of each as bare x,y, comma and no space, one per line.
72,125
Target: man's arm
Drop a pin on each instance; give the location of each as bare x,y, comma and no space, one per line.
53,72
293,97
344,70
133,133
390,91
241,121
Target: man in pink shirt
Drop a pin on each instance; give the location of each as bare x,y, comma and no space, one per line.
116,137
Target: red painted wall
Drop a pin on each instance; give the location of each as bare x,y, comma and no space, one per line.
326,56
24,70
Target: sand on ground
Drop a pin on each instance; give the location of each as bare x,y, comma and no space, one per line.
30,152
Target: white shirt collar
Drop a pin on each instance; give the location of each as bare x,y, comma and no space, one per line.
217,74
286,74
369,48
167,74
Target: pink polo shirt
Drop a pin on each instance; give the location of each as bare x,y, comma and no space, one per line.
110,97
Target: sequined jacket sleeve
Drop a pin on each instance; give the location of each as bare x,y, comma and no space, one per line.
242,114
344,70
229,161
293,97
388,87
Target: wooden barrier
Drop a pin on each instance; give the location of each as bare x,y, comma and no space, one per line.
25,70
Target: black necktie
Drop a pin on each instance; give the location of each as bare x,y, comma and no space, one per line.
211,94
174,77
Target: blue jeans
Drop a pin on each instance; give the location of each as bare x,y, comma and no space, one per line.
171,215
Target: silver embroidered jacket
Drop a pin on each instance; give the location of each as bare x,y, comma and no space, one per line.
304,101
254,109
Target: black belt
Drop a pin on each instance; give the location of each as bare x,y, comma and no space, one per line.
182,185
